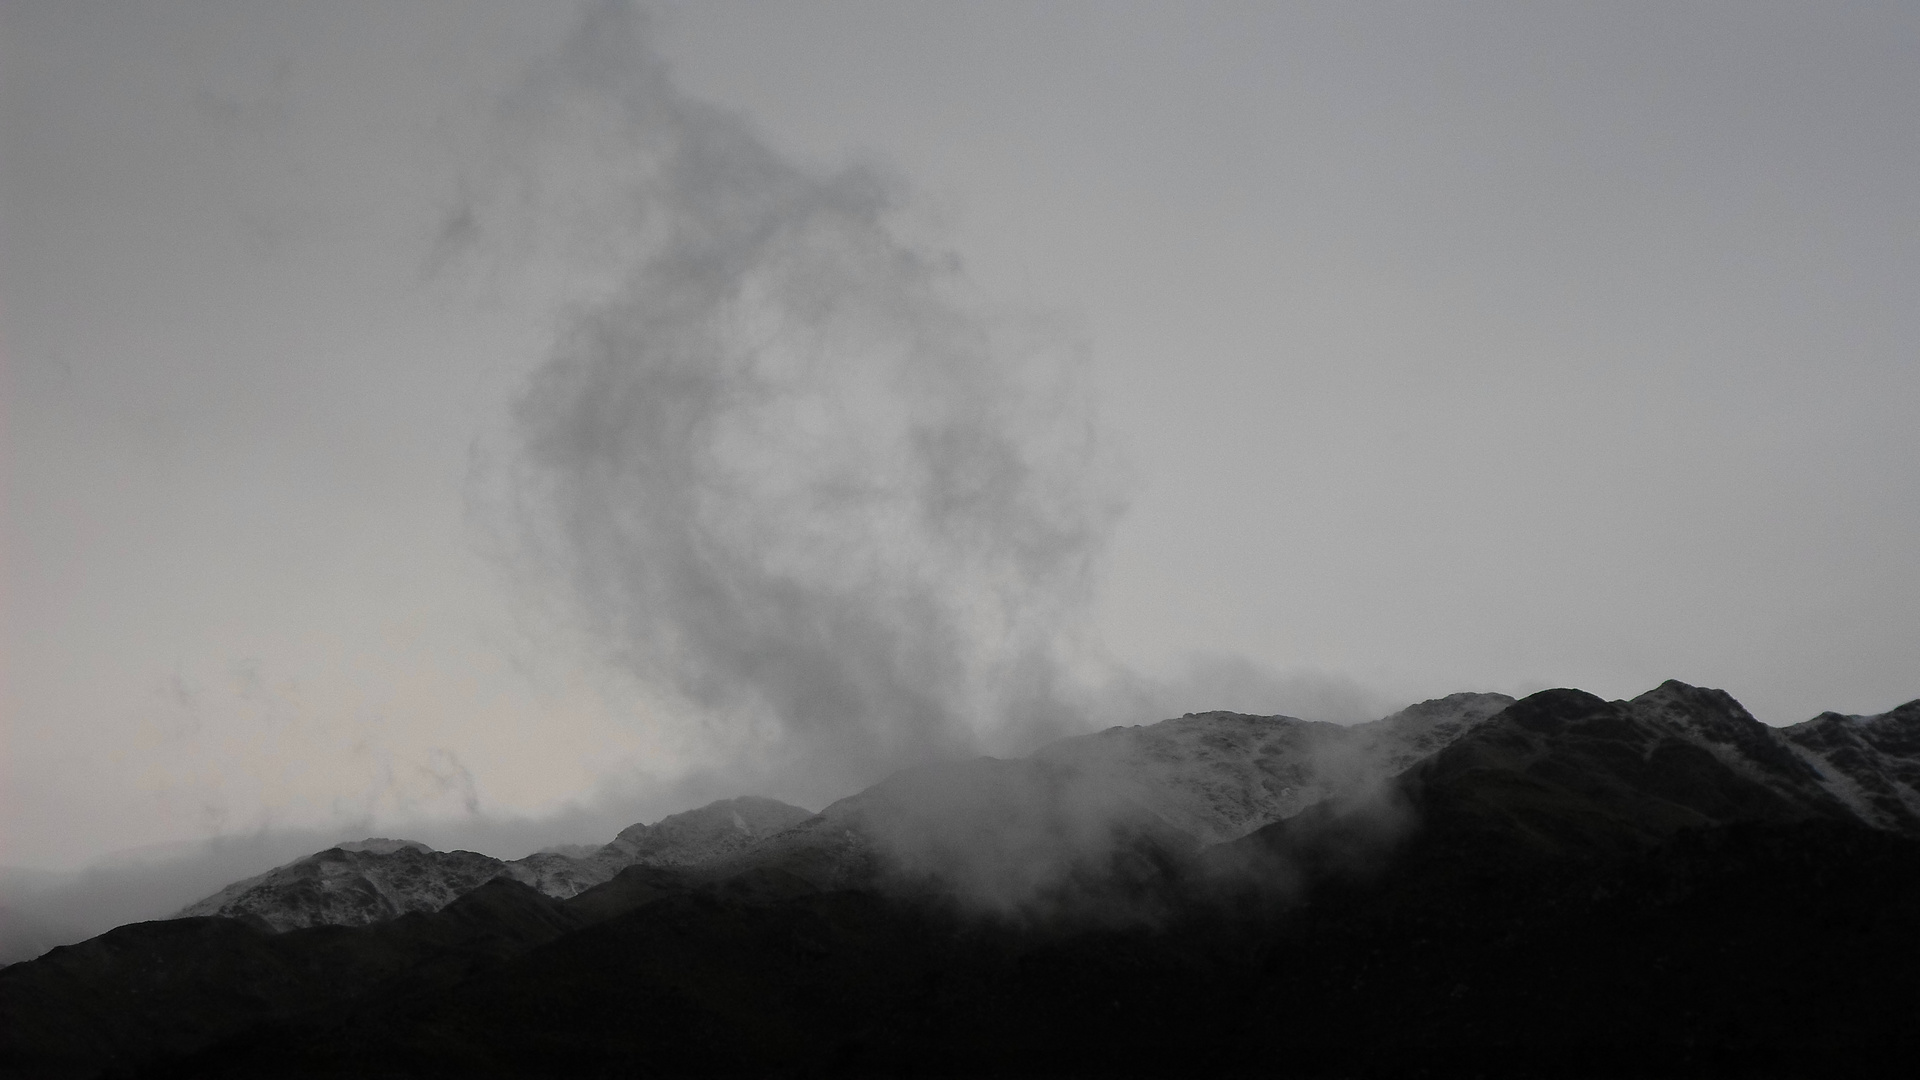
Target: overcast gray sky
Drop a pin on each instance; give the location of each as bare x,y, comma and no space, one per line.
1388,351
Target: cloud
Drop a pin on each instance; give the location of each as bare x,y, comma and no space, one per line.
784,473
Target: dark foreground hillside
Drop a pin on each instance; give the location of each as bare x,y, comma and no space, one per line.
1566,892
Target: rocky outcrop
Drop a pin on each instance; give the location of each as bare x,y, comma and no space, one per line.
352,885
1870,763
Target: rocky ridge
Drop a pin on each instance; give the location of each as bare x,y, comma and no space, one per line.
1864,768
1219,775
373,880
1003,830
1869,763
1654,886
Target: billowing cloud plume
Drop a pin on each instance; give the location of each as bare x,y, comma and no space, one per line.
788,475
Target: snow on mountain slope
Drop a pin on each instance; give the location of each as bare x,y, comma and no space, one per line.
1714,721
1198,779
352,885
1000,828
1417,731
1870,763
372,880
1218,776
1003,832
1080,806
692,838
711,832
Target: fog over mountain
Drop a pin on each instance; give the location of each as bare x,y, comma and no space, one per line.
1474,884
1006,836
491,428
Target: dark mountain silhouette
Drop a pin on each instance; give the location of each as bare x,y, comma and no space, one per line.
1571,886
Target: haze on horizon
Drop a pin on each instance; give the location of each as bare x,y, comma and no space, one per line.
1309,358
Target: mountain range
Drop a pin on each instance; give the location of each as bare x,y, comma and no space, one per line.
1556,885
